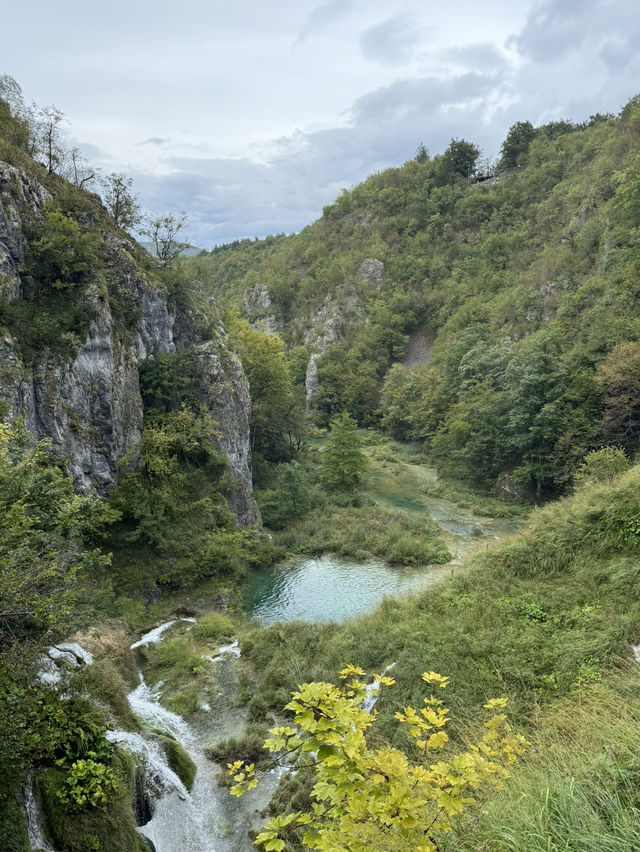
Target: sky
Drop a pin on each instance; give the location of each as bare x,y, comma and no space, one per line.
251,116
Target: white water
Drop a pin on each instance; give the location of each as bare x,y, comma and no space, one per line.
155,635
373,692
32,811
50,673
207,819
233,649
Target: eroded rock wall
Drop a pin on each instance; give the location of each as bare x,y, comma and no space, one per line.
90,406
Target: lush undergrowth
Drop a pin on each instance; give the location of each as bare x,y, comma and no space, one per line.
536,618
578,789
365,531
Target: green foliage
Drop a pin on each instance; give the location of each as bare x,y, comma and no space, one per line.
60,253
377,798
214,626
602,466
460,158
13,826
56,323
179,761
88,783
120,200
44,527
176,528
277,426
528,285
106,827
343,465
516,144
368,531
290,495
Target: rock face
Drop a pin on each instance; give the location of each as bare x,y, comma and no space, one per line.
372,269
90,407
256,304
19,196
326,327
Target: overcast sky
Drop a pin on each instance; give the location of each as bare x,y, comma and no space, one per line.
250,116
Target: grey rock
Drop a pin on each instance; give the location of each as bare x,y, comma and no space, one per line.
312,382
256,304
224,391
372,269
20,197
90,407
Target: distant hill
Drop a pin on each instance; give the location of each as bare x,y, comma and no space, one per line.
526,285
189,251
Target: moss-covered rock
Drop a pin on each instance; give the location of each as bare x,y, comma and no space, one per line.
13,825
179,760
110,828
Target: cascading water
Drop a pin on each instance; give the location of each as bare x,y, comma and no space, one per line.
207,819
373,692
32,813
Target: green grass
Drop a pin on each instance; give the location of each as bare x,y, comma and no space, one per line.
362,532
578,790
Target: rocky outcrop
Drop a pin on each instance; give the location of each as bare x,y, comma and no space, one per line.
224,391
256,304
90,406
20,196
372,269
326,327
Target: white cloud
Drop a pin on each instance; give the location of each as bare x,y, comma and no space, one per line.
211,110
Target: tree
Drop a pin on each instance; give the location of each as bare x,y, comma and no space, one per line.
120,201
277,422
516,143
365,798
48,120
163,232
43,527
602,465
620,378
79,171
460,158
60,253
343,465
422,155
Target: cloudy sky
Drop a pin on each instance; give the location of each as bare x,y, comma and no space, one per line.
250,116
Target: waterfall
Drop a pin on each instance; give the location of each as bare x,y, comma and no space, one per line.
373,691
32,813
207,819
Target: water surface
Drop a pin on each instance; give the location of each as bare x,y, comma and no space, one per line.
330,588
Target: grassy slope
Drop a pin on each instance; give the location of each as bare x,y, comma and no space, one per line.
544,618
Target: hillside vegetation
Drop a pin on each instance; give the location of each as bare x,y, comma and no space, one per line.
526,285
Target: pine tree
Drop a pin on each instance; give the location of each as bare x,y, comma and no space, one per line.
343,465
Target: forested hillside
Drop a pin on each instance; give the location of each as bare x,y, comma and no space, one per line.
524,287
484,331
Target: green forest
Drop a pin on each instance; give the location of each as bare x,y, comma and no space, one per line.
473,341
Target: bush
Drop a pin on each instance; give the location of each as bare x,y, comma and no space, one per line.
602,466
214,626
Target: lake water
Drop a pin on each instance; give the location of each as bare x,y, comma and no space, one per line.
330,588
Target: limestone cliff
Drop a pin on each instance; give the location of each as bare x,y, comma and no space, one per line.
90,405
